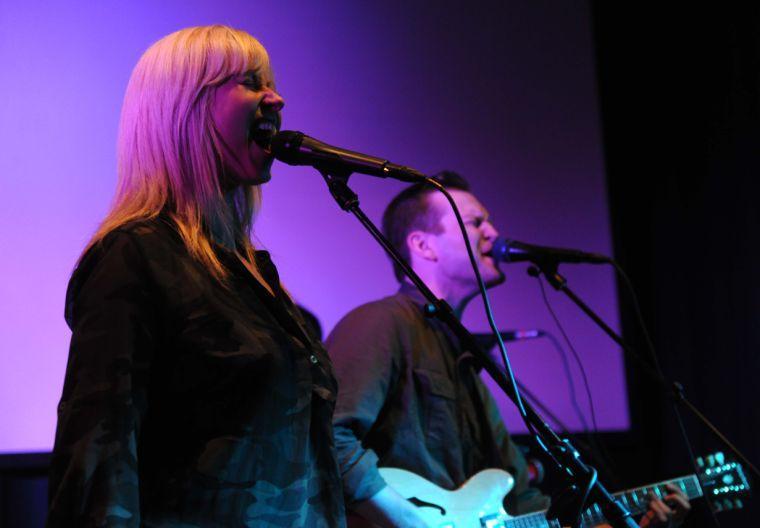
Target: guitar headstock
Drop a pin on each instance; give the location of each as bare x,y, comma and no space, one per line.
723,482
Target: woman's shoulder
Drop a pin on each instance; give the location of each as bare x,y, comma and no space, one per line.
125,257
151,238
145,232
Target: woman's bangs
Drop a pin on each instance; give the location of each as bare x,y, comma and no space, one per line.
239,54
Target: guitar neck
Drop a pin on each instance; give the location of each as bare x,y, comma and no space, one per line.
531,520
635,500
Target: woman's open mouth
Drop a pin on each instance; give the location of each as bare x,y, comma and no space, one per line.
262,131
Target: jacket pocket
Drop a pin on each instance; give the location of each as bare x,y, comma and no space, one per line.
437,394
434,383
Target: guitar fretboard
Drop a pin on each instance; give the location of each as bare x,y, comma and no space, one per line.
533,520
635,500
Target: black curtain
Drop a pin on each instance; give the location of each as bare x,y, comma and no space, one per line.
680,104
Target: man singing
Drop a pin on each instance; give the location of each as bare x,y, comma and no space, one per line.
408,397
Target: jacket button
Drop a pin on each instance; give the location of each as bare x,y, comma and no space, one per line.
313,359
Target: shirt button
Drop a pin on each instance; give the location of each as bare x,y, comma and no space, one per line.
313,359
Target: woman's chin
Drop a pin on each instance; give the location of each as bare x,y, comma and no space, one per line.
264,177
259,171
254,173
258,179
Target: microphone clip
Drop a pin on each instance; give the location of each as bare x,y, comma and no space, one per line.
337,183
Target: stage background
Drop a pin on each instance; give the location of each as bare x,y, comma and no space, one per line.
680,100
503,93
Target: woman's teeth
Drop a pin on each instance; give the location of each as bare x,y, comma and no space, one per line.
262,132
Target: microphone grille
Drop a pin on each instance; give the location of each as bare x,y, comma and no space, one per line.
500,249
285,146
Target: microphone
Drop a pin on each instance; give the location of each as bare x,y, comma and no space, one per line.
507,250
296,148
488,341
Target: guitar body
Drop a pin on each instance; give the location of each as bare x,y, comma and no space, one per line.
478,502
481,496
474,504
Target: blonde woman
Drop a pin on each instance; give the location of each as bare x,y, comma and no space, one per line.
193,395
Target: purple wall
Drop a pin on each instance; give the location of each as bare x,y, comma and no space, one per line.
503,93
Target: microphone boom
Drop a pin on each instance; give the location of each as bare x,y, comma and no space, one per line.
296,148
507,250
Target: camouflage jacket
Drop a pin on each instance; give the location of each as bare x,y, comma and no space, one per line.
186,404
416,403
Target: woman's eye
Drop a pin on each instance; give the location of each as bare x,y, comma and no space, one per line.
252,83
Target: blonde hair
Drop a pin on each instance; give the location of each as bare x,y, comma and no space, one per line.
168,151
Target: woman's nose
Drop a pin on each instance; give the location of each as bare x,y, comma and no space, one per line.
273,100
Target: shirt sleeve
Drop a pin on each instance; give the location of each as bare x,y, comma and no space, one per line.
523,498
112,314
365,350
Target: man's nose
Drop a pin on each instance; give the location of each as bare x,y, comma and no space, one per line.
489,231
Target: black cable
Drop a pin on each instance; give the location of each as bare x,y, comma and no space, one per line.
656,363
639,316
500,341
569,376
489,315
582,445
599,453
575,355
595,451
570,380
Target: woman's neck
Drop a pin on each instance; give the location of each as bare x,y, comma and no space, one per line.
225,235
226,238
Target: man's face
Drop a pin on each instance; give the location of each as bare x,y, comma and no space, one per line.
453,263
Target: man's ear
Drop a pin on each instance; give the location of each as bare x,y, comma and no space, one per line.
422,246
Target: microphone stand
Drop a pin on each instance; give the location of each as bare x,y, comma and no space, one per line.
549,267
567,460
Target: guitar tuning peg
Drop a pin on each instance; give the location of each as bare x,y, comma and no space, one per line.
717,507
720,458
727,504
710,460
700,462
738,504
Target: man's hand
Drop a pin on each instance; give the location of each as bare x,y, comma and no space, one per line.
668,511
388,509
671,510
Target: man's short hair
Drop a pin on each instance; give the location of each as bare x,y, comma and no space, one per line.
411,211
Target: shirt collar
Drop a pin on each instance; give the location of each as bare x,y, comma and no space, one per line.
411,291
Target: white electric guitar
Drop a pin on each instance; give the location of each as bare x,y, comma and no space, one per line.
478,502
